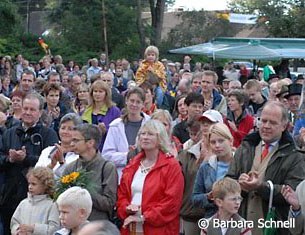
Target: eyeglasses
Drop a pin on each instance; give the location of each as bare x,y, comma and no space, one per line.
235,199
77,140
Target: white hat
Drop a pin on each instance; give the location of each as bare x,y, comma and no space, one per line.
171,64
212,115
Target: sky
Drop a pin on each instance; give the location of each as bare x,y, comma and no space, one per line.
199,4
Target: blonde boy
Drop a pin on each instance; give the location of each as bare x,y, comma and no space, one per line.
226,195
75,205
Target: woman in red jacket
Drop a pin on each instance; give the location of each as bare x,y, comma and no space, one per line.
151,188
238,120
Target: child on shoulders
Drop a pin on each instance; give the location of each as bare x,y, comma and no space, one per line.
37,214
75,205
226,195
151,69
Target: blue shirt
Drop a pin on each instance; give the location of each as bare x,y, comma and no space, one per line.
222,169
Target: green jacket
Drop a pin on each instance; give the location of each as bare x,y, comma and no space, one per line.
286,167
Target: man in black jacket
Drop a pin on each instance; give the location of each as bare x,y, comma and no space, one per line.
20,150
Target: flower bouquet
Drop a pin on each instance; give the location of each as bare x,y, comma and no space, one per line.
77,178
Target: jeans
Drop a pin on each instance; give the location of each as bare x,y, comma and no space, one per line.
159,96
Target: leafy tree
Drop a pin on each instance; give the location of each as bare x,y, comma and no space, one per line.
79,25
10,20
284,18
199,27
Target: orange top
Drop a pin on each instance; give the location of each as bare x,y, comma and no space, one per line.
158,70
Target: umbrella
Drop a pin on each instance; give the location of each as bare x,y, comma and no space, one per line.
291,53
200,49
271,211
252,50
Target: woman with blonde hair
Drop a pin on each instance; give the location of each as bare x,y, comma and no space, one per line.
220,140
145,206
165,118
101,111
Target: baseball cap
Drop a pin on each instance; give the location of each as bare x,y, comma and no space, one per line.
212,115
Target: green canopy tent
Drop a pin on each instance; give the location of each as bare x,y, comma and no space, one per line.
252,50
200,49
285,47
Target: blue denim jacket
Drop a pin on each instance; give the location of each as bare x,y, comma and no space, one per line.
205,178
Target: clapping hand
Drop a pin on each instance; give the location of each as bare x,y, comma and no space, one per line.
291,197
57,156
55,112
102,127
232,125
250,181
17,155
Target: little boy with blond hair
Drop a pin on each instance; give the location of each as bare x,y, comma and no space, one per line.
226,196
75,206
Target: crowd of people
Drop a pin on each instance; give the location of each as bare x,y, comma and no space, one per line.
166,144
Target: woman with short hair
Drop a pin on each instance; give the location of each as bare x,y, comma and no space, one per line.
145,206
238,120
123,131
57,157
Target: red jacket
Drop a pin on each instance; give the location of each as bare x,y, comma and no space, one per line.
161,198
244,126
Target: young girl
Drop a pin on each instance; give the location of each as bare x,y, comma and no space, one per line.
37,214
152,69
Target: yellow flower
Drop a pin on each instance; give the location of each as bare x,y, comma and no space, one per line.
74,175
70,178
65,179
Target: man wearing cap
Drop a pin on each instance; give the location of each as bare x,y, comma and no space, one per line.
269,154
225,85
194,103
273,78
294,99
212,98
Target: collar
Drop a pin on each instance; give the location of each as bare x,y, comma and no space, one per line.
37,198
270,144
26,128
150,111
195,150
213,161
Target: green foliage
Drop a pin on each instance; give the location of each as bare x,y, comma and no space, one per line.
284,18
78,26
198,27
21,44
10,20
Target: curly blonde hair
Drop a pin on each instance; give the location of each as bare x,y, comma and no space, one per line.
45,176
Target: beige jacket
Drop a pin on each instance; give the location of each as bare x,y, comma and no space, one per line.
39,210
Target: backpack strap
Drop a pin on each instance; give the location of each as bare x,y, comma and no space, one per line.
103,167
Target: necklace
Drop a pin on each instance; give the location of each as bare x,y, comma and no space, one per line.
146,169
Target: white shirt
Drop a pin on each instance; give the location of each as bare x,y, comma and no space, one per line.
58,170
